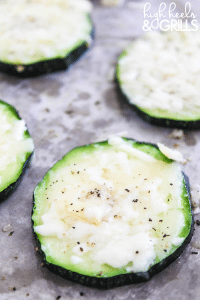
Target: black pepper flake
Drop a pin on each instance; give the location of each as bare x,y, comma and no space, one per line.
71,203
78,172
160,221
171,183
127,190
145,208
154,229
81,249
165,235
150,220
78,243
149,192
136,252
194,252
165,250
82,209
135,200
11,233
197,222
100,273
73,227
58,297
81,294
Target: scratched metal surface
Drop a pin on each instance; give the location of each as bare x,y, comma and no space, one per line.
67,109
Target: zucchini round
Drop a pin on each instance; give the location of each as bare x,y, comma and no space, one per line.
112,213
16,149
157,76
39,37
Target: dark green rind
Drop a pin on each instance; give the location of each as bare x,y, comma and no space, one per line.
47,66
12,187
162,122
122,279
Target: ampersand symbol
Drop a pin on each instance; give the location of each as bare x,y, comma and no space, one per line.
146,26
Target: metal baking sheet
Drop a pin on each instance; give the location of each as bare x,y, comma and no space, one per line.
72,108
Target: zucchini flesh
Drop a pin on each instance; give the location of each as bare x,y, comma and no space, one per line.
16,148
157,76
112,213
60,32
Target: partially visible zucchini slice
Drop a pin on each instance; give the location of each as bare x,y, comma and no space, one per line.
112,213
39,37
16,149
158,76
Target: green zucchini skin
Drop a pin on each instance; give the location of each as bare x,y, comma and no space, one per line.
162,122
12,187
122,279
46,66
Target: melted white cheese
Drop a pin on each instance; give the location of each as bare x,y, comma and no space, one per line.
171,154
121,223
13,144
160,71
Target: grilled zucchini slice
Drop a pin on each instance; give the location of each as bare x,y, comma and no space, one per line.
39,37
157,76
112,213
16,149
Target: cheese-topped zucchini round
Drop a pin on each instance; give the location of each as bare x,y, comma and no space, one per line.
38,37
16,148
158,75
112,213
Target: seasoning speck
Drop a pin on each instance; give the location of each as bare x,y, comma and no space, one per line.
81,294
135,200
